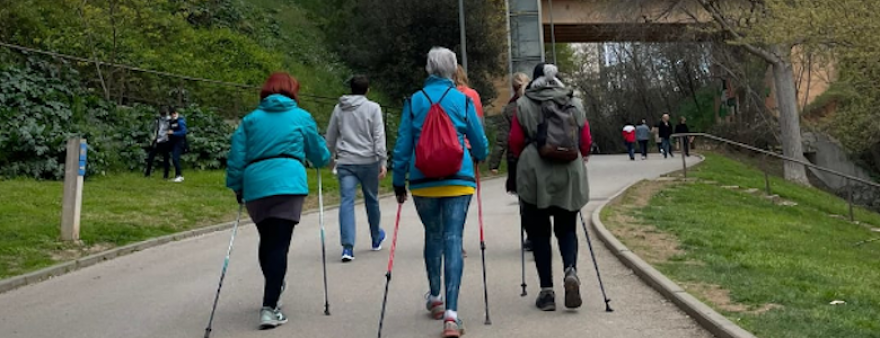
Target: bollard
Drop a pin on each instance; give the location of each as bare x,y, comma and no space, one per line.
74,171
849,188
684,165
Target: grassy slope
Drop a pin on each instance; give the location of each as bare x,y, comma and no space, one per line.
116,210
797,257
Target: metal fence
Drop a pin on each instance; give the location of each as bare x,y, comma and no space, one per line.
849,178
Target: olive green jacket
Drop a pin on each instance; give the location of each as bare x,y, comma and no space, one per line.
540,182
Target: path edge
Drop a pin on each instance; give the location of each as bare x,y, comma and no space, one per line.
708,318
60,269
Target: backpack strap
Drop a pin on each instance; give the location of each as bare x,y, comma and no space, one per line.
441,97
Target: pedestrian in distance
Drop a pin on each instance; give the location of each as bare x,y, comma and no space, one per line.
161,144
664,130
267,171
518,82
356,136
684,142
462,83
552,177
629,139
643,135
441,190
177,137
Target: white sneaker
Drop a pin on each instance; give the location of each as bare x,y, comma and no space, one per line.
178,179
271,318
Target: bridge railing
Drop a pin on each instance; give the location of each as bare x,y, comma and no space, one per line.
849,178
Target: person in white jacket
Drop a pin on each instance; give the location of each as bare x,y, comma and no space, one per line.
356,137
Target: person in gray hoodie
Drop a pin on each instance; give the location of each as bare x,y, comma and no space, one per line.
356,137
643,135
160,144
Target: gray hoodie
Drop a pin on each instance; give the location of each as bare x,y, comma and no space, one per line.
356,134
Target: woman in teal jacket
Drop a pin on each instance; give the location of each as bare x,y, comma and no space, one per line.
442,203
266,170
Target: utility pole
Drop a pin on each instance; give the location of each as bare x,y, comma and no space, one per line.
464,62
553,34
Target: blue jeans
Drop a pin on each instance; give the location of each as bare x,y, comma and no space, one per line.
666,145
630,148
443,218
349,176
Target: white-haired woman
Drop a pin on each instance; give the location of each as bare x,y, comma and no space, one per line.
442,202
551,180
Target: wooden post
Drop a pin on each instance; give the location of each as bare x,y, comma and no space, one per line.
74,171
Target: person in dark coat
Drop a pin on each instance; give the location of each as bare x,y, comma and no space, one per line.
684,142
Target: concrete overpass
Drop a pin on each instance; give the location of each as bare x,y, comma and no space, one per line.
536,22
621,21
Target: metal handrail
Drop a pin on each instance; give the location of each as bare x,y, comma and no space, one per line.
849,178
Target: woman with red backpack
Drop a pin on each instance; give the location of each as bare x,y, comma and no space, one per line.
430,153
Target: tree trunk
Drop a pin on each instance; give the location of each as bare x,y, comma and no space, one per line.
789,119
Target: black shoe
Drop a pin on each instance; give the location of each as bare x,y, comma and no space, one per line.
572,289
527,245
546,300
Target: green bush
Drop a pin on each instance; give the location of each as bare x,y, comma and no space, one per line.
42,105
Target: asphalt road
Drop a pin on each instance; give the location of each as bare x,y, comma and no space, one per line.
167,291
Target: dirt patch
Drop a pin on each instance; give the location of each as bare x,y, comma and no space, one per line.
720,297
73,253
652,244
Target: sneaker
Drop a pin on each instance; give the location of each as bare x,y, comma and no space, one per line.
527,245
377,245
572,289
347,255
435,307
271,318
546,300
178,179
453,328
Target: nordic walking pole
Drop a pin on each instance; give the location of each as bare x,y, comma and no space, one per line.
522,256
223,271
390,267
323,246
482,246
595,264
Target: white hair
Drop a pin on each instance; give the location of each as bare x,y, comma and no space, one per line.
442,62
549,79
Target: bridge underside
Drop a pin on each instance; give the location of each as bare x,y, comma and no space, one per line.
624,32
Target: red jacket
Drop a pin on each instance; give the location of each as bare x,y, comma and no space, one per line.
517,138
629,134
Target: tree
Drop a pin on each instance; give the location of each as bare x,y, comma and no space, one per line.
389,40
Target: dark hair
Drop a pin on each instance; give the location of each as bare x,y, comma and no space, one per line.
281,83
359,84
171,109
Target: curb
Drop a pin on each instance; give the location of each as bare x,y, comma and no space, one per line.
13,283
708,318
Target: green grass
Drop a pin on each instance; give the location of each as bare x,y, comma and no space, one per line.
797,257
117,210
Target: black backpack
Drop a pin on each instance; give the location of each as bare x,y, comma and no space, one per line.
559,133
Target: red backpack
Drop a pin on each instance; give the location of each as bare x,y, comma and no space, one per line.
438,153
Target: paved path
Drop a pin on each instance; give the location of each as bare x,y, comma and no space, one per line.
167,291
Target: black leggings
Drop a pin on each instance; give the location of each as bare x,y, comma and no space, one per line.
275,235
537,224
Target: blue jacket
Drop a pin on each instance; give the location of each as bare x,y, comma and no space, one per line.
269,149
414,113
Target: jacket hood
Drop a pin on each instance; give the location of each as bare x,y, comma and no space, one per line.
351,102
556,93
277,103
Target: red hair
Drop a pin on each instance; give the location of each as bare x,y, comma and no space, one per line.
281,83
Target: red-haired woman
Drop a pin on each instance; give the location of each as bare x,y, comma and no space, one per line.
266,170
